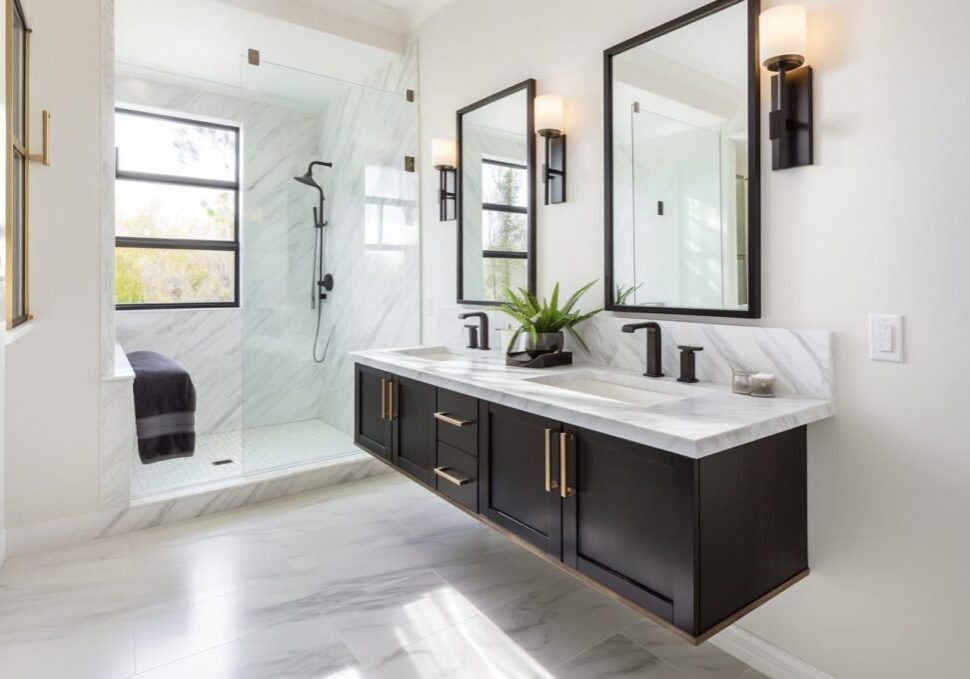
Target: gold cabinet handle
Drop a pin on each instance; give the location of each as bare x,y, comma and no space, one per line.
564,489
551,484
390,399
383,398
453,421
445,473
45,127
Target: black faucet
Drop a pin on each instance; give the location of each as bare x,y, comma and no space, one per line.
687,363
653,346
483,329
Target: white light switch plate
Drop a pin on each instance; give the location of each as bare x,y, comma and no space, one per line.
886,337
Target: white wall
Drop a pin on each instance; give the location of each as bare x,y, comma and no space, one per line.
878,225
52,380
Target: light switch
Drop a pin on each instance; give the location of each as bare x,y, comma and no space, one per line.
886,337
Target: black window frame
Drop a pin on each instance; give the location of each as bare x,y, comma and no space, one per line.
186,243
500,207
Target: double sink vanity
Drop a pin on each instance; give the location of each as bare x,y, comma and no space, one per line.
686,500
681,498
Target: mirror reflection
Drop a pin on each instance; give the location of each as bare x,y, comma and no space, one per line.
496,165
680,150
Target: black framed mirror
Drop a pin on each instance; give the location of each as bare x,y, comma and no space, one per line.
682,166
496,196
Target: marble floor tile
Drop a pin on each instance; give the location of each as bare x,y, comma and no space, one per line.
617,658
706,661
376,617
754,674
93,650
308,649
561,620
339,583
474,649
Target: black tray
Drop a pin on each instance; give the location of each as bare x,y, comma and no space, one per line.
521,359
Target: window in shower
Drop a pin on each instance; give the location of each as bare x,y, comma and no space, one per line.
176,212
504,226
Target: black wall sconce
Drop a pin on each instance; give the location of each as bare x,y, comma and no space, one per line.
783,37
444,159
548,121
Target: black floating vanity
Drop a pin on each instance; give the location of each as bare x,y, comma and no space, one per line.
694,542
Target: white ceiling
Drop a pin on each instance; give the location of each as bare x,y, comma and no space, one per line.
400,16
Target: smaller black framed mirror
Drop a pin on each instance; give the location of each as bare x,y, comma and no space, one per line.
683,158
496,196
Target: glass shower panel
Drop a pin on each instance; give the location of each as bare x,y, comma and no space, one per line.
677,212
297,379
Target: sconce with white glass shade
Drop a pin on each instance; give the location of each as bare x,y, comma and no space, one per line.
444,158
783,37
548,110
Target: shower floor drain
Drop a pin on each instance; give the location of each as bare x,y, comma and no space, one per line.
218,462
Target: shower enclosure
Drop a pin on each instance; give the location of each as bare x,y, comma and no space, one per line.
296,410
265,400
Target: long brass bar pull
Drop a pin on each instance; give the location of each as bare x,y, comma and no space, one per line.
384,399
390,399
453,421
45,127
551,484
564,489
445,473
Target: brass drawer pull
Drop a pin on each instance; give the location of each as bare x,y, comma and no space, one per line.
444,472
384,398
390,399
564,489
453,421
551,484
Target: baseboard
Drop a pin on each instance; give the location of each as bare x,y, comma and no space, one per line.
764,657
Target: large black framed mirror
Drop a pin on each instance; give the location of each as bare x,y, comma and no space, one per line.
683,159
496,196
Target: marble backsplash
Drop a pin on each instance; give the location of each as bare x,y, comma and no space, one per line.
801,360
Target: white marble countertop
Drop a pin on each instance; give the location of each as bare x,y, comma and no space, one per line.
706,419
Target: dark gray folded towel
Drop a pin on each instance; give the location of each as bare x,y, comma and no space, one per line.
164,407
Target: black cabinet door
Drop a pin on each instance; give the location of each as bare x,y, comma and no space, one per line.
627,522
412,409
372,421
518,488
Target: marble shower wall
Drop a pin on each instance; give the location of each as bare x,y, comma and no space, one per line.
253,366
801,360
373,247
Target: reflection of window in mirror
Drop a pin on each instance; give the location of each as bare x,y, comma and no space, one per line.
505,228
389,202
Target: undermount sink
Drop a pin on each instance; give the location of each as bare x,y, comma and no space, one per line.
642,391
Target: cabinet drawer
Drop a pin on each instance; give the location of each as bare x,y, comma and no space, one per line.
456,475
456,420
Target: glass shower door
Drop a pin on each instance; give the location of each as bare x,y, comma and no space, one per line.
296,408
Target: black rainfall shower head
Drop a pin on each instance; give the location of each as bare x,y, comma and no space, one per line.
307,177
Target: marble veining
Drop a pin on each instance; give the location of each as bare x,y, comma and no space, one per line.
231,596
707,419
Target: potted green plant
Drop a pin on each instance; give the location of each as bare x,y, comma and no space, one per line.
544,321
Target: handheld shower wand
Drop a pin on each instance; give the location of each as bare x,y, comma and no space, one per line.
321,281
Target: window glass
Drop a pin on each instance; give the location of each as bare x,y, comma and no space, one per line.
158,145
171,276
504,185
155,210
506,231
501,274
